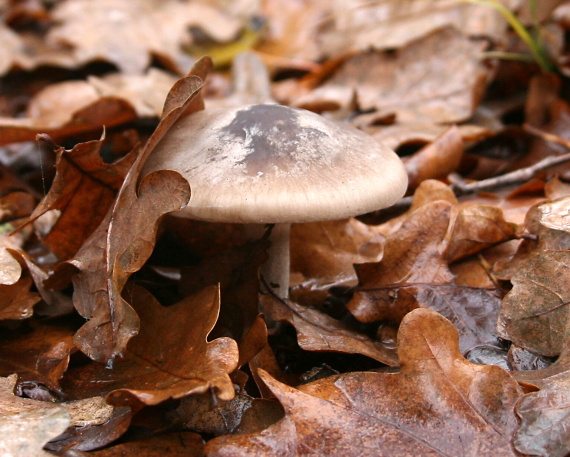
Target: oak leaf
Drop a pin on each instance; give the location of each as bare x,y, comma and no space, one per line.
169,358
317,331
438,405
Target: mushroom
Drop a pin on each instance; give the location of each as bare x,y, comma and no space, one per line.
272,164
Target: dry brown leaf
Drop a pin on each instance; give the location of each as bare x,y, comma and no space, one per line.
236,270
129,33
125,239
84,185
317,331
70,107
414,273
476,228
27,432
436,160
413,134
112,322
439,78
10,268
439,404
292,30
169,358
413,255
89,116
357,25
196,413
323,254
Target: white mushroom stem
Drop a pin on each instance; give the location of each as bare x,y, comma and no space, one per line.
275,271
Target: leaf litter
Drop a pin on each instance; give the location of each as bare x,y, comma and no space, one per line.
438,327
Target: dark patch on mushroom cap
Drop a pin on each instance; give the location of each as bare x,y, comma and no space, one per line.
272,135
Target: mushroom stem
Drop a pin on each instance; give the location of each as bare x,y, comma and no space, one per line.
275,270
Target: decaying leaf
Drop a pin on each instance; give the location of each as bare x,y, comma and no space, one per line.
84,184
115,251
411,84
17,300
27,432
128,33
169,358
318,332
323,254
439,404
545,415
414,273
175,444
38,355
73,107
534,314
359,25
436,160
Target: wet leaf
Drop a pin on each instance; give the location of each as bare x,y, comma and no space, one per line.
39,354
414,273
545,415
115,251
84,184
324,254
17,300
169,358
412,255
175,444
439,404
318,332
534,314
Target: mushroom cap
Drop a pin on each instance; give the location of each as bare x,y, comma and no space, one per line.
273,164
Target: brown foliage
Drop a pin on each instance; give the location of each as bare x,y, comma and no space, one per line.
437,327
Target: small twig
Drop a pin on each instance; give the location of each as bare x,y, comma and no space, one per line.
514,177
460,187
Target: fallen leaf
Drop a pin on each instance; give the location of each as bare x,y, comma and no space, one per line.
165,360
412,255
174,444
413,84
129,33
27,432
357,26
317,331
324,254
112,322
10,268
476,228
414,273
535,313
84,184
197,413
114,251
236,269
39,354
18,300
436,160
439,404
545,415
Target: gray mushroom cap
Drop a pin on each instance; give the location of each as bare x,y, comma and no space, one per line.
274,164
